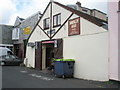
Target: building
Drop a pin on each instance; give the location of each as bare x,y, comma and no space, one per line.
70,34
6,36
93,12
21,32
114,27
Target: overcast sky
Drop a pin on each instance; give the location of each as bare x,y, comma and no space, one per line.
10,9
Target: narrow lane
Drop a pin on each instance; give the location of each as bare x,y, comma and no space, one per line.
22,77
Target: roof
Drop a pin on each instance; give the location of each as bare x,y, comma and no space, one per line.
90,18
21,19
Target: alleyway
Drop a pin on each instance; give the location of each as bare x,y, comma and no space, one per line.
22,77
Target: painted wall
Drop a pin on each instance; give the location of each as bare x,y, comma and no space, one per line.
119,46
92,39
37,35
86,28
113,32
91,55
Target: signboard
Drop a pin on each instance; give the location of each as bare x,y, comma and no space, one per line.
52,31
74,27
31,44
27,30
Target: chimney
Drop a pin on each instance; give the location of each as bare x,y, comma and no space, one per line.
78,5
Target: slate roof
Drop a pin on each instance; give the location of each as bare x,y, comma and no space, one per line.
90,18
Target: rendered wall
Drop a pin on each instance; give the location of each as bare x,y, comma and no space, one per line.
91,55
37,35
113,32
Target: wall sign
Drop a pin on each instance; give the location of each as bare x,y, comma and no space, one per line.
27,30
31,44
74,27
52,31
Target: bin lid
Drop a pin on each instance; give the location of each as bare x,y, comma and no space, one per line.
64,60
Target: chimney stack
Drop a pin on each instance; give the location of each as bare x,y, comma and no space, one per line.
78,5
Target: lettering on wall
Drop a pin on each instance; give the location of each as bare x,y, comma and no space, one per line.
74,27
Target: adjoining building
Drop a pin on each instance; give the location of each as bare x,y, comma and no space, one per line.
6,36
21,31
93,12
63,32
114,31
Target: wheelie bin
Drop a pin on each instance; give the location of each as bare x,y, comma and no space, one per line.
64,67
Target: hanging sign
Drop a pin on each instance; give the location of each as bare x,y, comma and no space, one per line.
74,27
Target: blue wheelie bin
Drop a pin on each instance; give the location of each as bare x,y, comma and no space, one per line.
64,67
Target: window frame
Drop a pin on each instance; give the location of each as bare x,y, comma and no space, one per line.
15,33
57,20
45,23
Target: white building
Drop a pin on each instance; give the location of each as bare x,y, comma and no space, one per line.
78,35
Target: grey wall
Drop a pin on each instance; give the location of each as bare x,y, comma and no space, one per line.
6,34
0,34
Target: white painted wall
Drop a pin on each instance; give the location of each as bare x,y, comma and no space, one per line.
86,28
91,55
46,15
113,34
37,35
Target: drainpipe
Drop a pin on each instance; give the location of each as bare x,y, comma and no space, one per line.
51,19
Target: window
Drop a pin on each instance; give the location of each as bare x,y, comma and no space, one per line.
15,34
46,23
84,10
9,53
119,6
56,20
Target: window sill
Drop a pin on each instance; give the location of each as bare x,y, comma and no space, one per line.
56,26
46,28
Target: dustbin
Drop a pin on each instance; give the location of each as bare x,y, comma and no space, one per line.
64,67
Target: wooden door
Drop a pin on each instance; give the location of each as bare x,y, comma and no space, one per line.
38,56
58,53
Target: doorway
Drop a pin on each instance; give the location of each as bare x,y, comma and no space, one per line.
47,54
45,51
18,50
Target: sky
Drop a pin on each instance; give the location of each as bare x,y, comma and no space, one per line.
10,9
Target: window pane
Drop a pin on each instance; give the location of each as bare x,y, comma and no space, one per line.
59,19
15,33
46,23
54,20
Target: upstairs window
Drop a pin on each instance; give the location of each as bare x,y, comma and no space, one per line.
47,23
57,20
15,34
